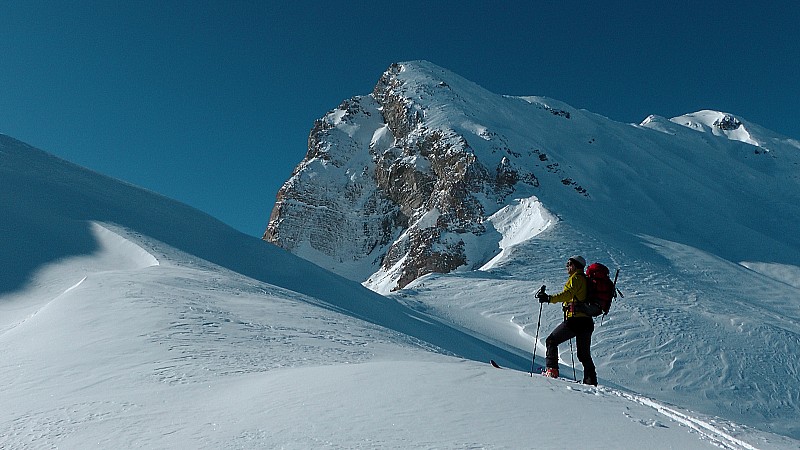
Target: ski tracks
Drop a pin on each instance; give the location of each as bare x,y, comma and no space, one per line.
716,435
720,435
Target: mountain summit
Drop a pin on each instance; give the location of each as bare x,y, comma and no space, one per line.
431,173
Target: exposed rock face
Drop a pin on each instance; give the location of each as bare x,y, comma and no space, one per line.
330,210
728,123
386,192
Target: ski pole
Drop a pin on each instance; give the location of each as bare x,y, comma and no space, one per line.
538,323
574,374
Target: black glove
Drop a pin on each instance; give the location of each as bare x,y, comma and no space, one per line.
543,298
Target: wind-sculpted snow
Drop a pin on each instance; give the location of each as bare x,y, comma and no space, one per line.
517,224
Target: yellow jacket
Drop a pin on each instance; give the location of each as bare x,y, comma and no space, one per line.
574,291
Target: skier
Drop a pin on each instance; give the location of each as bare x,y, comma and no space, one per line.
576,324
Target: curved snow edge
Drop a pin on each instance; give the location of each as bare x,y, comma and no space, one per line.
124,253
519,223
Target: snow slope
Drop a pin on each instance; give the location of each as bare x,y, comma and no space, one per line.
699,211
130,320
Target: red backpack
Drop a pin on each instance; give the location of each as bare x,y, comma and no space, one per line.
600,290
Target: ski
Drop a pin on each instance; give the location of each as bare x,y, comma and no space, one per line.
494,364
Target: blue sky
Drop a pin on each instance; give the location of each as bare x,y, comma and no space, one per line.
211,102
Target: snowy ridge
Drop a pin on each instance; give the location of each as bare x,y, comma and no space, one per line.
718,124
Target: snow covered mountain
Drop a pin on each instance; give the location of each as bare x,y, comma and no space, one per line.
405,181
433,174
130,320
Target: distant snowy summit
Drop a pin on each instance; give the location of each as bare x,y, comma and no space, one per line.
409,180
723,124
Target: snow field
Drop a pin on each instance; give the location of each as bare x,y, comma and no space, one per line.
180,354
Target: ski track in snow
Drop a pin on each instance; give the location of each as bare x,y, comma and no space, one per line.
716,435
705,428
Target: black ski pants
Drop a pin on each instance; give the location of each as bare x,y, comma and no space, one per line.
580,328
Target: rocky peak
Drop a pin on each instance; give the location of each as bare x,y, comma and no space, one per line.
388,191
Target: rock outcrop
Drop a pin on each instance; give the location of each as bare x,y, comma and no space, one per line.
389,190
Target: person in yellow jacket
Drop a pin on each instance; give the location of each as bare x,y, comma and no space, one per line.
576,324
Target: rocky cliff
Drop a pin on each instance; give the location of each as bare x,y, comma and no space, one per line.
390,190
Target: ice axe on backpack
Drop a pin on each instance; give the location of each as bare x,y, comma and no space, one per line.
616,291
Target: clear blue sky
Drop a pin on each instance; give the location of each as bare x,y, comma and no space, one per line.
211,102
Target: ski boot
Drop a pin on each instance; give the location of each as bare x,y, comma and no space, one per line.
551,372
590,377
